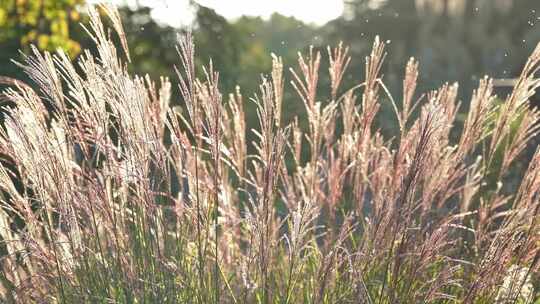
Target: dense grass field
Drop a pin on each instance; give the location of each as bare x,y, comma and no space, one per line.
109,195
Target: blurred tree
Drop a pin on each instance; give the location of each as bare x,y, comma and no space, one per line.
41,22
454,40
152,45
222,42
281,35
44,23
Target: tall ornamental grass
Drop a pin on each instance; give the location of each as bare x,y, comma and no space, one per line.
109,195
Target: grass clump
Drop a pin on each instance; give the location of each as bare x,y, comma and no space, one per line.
127,200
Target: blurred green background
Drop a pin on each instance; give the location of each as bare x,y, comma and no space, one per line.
454,40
